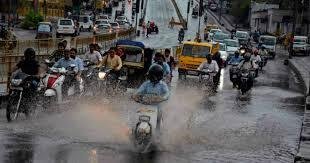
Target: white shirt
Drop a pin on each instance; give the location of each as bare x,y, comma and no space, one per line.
94,57
212,67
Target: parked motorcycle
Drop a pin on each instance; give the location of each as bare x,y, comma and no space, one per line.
23,92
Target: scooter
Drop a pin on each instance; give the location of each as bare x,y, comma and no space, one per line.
53,83
146,132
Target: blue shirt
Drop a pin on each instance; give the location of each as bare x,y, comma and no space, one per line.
79,63
235,60
165,67
160,89
63,63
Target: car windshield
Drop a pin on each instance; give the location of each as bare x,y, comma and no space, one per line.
101,22
103,27
241,35
222,47
196,51
44,28
220,36
114,24
65,22
231,43
214,30
300,41
268,41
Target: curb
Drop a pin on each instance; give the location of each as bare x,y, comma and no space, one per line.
304,141
299,75
182,20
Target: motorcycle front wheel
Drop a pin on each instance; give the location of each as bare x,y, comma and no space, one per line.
13,107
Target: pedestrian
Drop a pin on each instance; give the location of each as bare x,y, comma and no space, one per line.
148,26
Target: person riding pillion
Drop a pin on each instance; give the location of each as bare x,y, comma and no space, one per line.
92,55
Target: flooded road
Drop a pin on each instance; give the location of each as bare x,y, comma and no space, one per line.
198,126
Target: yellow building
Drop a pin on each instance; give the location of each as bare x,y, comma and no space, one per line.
54,8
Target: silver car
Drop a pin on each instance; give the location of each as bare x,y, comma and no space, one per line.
301,46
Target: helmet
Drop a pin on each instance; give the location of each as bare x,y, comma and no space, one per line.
237,52
247,57
29,54
155,74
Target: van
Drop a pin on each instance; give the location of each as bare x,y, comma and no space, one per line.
193,54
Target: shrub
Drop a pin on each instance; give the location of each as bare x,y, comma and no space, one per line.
31,20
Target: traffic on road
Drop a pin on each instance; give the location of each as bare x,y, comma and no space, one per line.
171,94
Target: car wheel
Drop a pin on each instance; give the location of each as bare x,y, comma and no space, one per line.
89,29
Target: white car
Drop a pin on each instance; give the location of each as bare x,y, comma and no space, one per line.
101,16
115,26
212,32
66,27
103,29
124,24
223,52
102,21
269,42
301,46
243,37
121,18
231,47
220,37
85,23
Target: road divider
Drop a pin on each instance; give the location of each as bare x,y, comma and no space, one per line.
182,20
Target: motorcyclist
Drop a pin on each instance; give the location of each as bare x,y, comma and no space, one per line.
59,53
210,66
262,51
155,86
112,61
92,55
246,65
28,65
181,34
66,62
159,59
236,59
217,57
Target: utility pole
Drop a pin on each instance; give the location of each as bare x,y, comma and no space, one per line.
293,29
188,8
200,11
221,8
45,9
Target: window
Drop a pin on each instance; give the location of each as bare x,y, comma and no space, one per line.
44,28
196,51
65,22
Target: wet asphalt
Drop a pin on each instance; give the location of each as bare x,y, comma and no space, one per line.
198,126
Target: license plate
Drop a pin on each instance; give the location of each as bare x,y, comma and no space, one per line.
66,28
192,72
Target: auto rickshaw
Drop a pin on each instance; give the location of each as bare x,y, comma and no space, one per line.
135,61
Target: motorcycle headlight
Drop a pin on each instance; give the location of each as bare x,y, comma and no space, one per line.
102,75
242,51
16,82
144,128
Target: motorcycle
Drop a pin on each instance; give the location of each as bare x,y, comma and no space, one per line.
263,62
23,91
147,130
180,38
245,76
233,74
109,82
90,76
53,84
